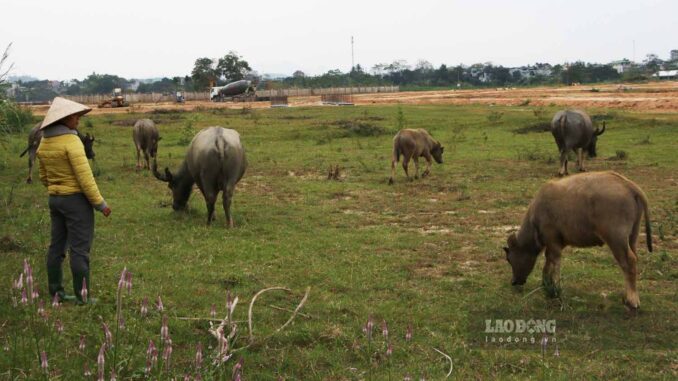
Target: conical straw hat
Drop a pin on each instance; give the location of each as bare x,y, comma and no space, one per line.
61,108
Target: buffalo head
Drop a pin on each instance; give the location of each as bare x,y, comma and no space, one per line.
522,260
591,149
181,188
437,153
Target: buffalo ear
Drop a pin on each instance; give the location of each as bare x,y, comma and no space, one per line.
512,240
168,174
442,149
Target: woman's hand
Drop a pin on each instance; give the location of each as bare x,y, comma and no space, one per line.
106,211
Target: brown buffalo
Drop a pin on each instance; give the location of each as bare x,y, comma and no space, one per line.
34,139
413,144
146,138
585,210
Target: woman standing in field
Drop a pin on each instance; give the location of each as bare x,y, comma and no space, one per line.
73,194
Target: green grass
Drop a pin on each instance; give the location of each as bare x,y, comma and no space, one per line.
426,253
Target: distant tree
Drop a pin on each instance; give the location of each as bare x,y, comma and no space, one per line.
203,74
298,74
164,85
102,83
232,67
424,66
652,63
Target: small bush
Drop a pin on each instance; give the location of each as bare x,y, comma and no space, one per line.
400,119
494,116
645,141
88,123
354,127
13,118
620,155
526,102
536,127
539,113
186,133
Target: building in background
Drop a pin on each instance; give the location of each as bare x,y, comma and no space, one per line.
674,55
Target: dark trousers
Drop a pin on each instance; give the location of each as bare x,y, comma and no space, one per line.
73,226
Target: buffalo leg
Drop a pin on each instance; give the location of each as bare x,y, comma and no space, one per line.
580,160
551,271
563,163
406,162
227,196
138,157
31,160
209,202
416,167
147,160
393,165
427,171
628,261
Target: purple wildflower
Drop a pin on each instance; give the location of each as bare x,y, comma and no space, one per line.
384,329
43,360
159,304
84,291
24,298
144,307
101,362
213,311
123,279
198,356
408,334
81,345
87,371
55,301
164,329
59,326
389,349
107,334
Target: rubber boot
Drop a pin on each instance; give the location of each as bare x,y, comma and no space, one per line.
77,288
55,277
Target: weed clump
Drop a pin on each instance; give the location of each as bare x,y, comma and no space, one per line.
494,116
359,128
13,117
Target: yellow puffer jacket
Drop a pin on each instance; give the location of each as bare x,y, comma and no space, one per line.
64,168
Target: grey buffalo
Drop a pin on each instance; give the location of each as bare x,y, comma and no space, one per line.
413,144
215,161
146,138
34,138
573,131
584,210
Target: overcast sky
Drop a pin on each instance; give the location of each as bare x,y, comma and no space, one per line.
141,39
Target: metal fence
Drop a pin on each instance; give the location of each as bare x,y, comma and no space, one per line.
205,96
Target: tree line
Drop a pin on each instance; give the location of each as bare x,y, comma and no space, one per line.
209,72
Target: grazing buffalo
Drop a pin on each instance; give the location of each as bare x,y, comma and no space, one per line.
573,130
413,144
34,138
146,138
588,209
216,162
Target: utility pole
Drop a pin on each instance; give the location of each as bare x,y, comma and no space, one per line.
352,56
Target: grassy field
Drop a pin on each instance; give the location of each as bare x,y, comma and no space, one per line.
425,253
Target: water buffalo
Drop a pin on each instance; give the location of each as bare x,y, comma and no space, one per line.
34,137
413,144
585,210
216,161
146,138
573,130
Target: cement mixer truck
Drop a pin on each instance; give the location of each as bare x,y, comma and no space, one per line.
238,90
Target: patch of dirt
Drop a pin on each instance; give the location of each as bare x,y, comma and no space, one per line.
8,244
647,97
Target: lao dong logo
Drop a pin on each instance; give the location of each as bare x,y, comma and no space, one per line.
520,326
